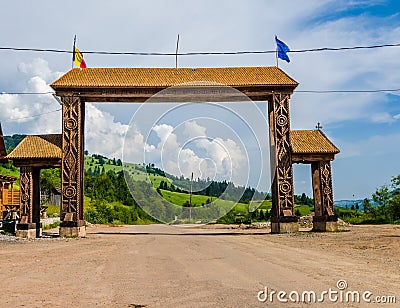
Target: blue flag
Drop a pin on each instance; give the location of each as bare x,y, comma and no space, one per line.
282,49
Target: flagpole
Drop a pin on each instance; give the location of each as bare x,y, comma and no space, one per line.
276,55
73,52
176,54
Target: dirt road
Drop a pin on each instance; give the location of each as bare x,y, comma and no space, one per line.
188,266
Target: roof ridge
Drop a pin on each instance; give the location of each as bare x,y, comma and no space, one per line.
137,77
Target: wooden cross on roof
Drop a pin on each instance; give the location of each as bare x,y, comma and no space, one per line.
319,127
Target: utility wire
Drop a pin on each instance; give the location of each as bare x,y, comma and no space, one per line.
295,91
299,91
347,91
32,116
200,53
26,93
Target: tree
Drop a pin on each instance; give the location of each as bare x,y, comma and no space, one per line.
394,203
396,182
162,185
382,197
50,179
394,207
303,199
367,206
262,216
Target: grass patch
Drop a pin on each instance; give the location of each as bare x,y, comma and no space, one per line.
181,198
51,226
13,171
303,210
114,213
52,210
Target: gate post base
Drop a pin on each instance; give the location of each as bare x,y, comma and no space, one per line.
29,230
73,230
287,224
325,223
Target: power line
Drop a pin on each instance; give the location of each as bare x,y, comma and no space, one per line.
33,116
200,53
26,93
296,91
299,91
347,91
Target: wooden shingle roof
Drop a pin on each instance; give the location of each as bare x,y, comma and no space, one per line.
167,77
311,142
38,147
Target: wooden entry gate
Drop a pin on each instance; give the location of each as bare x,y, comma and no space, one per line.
134,85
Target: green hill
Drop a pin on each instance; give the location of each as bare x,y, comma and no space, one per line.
108,200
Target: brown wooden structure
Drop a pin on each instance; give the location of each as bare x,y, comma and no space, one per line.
9,197
131,85
314,148
31,155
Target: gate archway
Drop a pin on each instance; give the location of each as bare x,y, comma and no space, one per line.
133,85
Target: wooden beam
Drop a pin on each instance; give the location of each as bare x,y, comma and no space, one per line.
39,163
180,94
310,158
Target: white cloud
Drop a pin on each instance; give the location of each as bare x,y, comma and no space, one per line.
103,134
193,151
20,113
39,67
382,117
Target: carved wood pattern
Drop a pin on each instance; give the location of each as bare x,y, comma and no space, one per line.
281,156
326,187
72,145
26,188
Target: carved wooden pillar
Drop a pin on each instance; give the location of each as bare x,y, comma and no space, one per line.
26,188
72,220
29,226
282,213
325,218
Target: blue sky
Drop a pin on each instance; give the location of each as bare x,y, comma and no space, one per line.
365,126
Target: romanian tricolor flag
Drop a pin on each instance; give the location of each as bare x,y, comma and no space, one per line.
78,59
